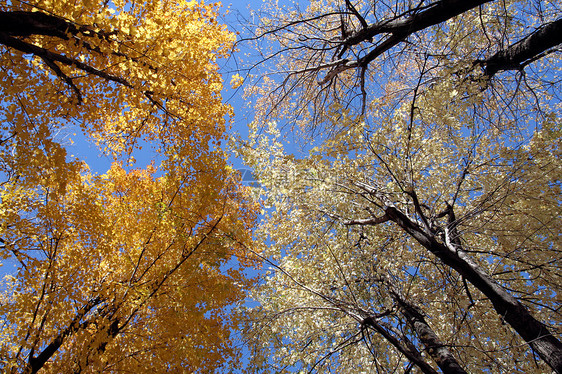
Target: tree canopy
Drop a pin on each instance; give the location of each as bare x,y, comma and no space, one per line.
123,271
421,231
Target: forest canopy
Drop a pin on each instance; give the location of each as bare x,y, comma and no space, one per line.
123,271
415,230
419,228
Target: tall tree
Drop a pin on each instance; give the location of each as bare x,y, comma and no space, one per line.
119,272
423,230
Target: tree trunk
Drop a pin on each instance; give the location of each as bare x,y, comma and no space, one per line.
541,340
407,350
433,345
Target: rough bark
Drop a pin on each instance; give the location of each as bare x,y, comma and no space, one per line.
433,345
541,340
526,50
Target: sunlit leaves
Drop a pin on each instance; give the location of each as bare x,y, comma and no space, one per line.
131,269
470,160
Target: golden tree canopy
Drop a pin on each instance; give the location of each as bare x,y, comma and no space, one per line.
120,272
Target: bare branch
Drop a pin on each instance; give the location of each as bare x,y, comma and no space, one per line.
399,30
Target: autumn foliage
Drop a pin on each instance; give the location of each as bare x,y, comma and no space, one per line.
122,271
417,229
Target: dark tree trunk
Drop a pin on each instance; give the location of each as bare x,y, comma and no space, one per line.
402,345
20,23
541,340
433,345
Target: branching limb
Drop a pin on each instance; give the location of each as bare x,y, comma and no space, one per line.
400,29
43,53
407,350
36,363
23,24
526,50
536,334
55,68
435,13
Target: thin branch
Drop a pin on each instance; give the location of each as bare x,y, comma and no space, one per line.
55,68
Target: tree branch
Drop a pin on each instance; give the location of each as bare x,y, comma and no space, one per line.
45,53
433,345
36,363
55,68
519,54
23,23
50,57
410,352
513,312
436,13
399,29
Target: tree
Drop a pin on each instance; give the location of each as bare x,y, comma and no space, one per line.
124,271
339,52
422,231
